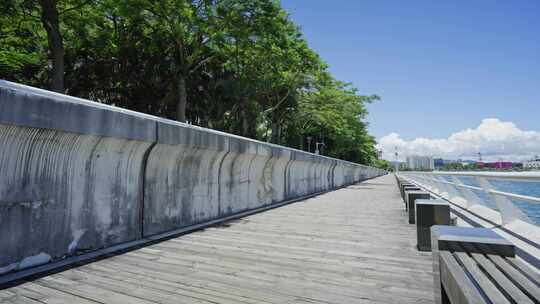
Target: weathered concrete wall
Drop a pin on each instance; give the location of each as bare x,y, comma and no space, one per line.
77,176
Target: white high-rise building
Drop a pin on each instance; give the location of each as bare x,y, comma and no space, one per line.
533,164
416,162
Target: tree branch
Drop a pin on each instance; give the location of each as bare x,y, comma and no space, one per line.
201,63
74,8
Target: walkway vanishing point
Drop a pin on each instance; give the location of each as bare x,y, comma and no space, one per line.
352,245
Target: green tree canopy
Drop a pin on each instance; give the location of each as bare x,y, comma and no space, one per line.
240,66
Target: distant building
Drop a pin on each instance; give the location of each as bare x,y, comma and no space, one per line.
503,165
420,162
533,164
498,165
441,163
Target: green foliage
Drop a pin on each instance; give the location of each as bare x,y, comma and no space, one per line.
383,164
22,44
453,167
241,66
334,113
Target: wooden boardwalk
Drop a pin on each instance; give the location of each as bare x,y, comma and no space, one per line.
348,246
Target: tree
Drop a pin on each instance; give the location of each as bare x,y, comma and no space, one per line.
383,164
241,66
333,112
21,54
21,16
188,26
51,23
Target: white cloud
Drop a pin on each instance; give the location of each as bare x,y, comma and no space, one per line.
495,139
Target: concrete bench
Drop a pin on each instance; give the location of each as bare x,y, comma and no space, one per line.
406,185
411,195
401,181
408,188
429,212
476,265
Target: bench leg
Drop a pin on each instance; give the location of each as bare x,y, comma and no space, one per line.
444,296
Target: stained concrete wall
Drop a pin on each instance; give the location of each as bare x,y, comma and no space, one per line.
77,176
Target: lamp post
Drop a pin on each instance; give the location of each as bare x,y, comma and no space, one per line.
309,138
317,145
397,163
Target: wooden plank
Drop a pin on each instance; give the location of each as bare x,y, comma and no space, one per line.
49,295
12,297
318,275
329,268
349,255
489,289
522,282
315,241
503,283
136,289
279,287
6,294
280,283
361,261
380,252
456,282
176,286
81,288
219,286
524,268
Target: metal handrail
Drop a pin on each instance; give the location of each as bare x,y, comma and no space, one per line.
532,199
454,189
521,176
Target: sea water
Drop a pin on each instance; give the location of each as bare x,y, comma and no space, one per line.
529,209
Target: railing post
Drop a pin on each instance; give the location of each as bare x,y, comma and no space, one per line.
470,198
509,212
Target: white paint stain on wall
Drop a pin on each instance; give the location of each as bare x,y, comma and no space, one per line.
31,261
77,234
34,260
8,268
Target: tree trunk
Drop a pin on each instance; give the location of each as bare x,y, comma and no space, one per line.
276,128
247,121
182,99
51,23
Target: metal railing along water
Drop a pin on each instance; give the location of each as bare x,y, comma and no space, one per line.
511,194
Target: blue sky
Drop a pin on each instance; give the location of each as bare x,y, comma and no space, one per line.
440,67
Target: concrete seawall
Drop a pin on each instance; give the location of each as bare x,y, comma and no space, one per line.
78,176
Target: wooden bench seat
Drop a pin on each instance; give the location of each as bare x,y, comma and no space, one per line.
478,272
